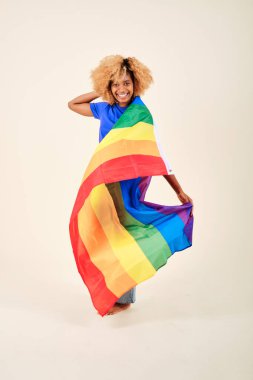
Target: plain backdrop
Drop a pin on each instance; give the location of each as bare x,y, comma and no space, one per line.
193,319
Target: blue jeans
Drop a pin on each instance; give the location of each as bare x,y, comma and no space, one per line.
128,297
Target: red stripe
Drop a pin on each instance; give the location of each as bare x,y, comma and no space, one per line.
118,169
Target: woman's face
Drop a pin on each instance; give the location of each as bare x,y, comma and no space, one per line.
122,90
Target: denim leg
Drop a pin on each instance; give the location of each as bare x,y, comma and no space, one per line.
128,297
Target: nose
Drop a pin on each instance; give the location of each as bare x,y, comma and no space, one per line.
122,87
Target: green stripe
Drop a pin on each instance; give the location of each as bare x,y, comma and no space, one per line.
150,240
134,114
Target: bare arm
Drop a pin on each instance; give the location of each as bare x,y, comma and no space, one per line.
171,178
178,189
81,105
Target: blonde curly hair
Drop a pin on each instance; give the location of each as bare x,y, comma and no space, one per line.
112,67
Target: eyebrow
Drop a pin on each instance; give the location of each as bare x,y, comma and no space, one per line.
125,80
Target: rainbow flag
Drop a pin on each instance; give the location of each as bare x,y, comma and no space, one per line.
118,238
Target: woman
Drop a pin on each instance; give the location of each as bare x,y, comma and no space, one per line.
118,81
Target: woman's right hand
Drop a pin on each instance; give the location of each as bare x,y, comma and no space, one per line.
184,198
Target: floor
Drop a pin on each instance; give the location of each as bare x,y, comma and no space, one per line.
52,331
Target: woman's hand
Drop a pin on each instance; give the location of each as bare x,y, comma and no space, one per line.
184,198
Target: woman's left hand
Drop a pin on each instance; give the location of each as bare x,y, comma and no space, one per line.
184,198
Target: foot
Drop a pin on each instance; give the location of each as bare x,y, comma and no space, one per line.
118,307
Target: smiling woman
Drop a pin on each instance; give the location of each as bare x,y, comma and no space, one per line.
118,239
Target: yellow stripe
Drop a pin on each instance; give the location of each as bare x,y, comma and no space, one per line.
140,131
124,246
119,149
100,251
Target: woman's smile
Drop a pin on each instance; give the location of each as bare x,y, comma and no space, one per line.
122,96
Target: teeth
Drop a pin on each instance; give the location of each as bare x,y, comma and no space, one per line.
122,95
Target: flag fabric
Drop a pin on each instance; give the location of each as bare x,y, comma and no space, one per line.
118,239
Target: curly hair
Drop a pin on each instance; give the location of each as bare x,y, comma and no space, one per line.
112,67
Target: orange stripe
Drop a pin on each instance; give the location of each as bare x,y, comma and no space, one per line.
100,251
121,148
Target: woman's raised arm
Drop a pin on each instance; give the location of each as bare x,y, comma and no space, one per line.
81,105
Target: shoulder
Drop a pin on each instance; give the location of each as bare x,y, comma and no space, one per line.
97,108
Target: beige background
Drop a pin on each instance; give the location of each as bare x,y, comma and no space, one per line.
193,320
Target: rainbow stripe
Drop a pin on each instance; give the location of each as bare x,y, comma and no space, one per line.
118,239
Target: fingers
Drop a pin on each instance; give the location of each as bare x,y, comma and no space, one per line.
191,201
185,199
